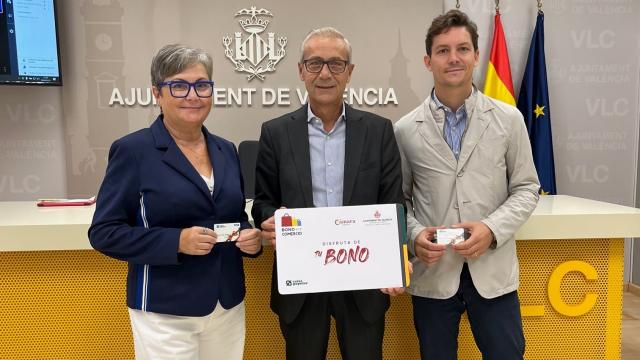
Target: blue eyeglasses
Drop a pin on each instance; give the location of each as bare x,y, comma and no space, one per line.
181,88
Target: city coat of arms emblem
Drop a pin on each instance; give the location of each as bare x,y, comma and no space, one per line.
253,54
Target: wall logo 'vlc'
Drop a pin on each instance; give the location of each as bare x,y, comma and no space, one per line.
250,53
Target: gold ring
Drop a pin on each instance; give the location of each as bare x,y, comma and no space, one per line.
204,231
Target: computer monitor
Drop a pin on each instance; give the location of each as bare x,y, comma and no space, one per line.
29,51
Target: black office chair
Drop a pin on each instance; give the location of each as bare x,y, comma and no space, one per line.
248,152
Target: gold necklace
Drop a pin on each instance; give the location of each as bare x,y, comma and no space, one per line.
182,145
191,149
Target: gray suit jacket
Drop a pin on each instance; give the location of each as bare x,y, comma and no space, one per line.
493,181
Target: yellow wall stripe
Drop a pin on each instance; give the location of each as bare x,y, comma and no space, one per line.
614,299
405,257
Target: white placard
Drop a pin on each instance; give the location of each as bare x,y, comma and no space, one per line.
340,248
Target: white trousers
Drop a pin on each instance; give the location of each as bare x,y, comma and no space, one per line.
219,335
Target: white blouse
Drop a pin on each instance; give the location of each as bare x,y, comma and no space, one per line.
209,181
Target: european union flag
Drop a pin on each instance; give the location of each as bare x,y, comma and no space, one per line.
533,103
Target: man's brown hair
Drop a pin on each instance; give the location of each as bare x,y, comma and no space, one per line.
444,22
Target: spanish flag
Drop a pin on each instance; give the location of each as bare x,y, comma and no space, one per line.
498,84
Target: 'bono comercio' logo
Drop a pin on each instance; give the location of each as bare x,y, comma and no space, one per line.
251,51
290,221
290,226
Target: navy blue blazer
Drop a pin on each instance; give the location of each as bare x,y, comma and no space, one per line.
149,194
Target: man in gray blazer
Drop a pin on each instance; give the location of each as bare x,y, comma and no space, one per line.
467,163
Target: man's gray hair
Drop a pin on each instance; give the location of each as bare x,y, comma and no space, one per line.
175,58
326,32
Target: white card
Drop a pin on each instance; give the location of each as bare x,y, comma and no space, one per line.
227,232
449,236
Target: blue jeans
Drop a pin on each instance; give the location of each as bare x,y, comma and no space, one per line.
496,323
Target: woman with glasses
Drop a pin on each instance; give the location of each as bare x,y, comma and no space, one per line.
171,205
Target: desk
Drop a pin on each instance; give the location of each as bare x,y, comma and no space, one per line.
62,300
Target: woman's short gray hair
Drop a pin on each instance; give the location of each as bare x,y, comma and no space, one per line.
175,58
326,32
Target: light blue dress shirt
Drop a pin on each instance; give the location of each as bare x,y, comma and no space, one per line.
326,152
454,125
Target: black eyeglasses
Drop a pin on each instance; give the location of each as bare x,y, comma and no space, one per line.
181,88
335,66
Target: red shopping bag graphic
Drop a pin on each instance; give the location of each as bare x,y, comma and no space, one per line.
285,221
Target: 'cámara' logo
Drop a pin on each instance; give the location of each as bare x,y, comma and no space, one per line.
250,52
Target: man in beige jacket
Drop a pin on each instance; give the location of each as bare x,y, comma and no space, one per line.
467,163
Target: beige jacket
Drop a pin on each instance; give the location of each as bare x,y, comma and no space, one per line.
493,181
